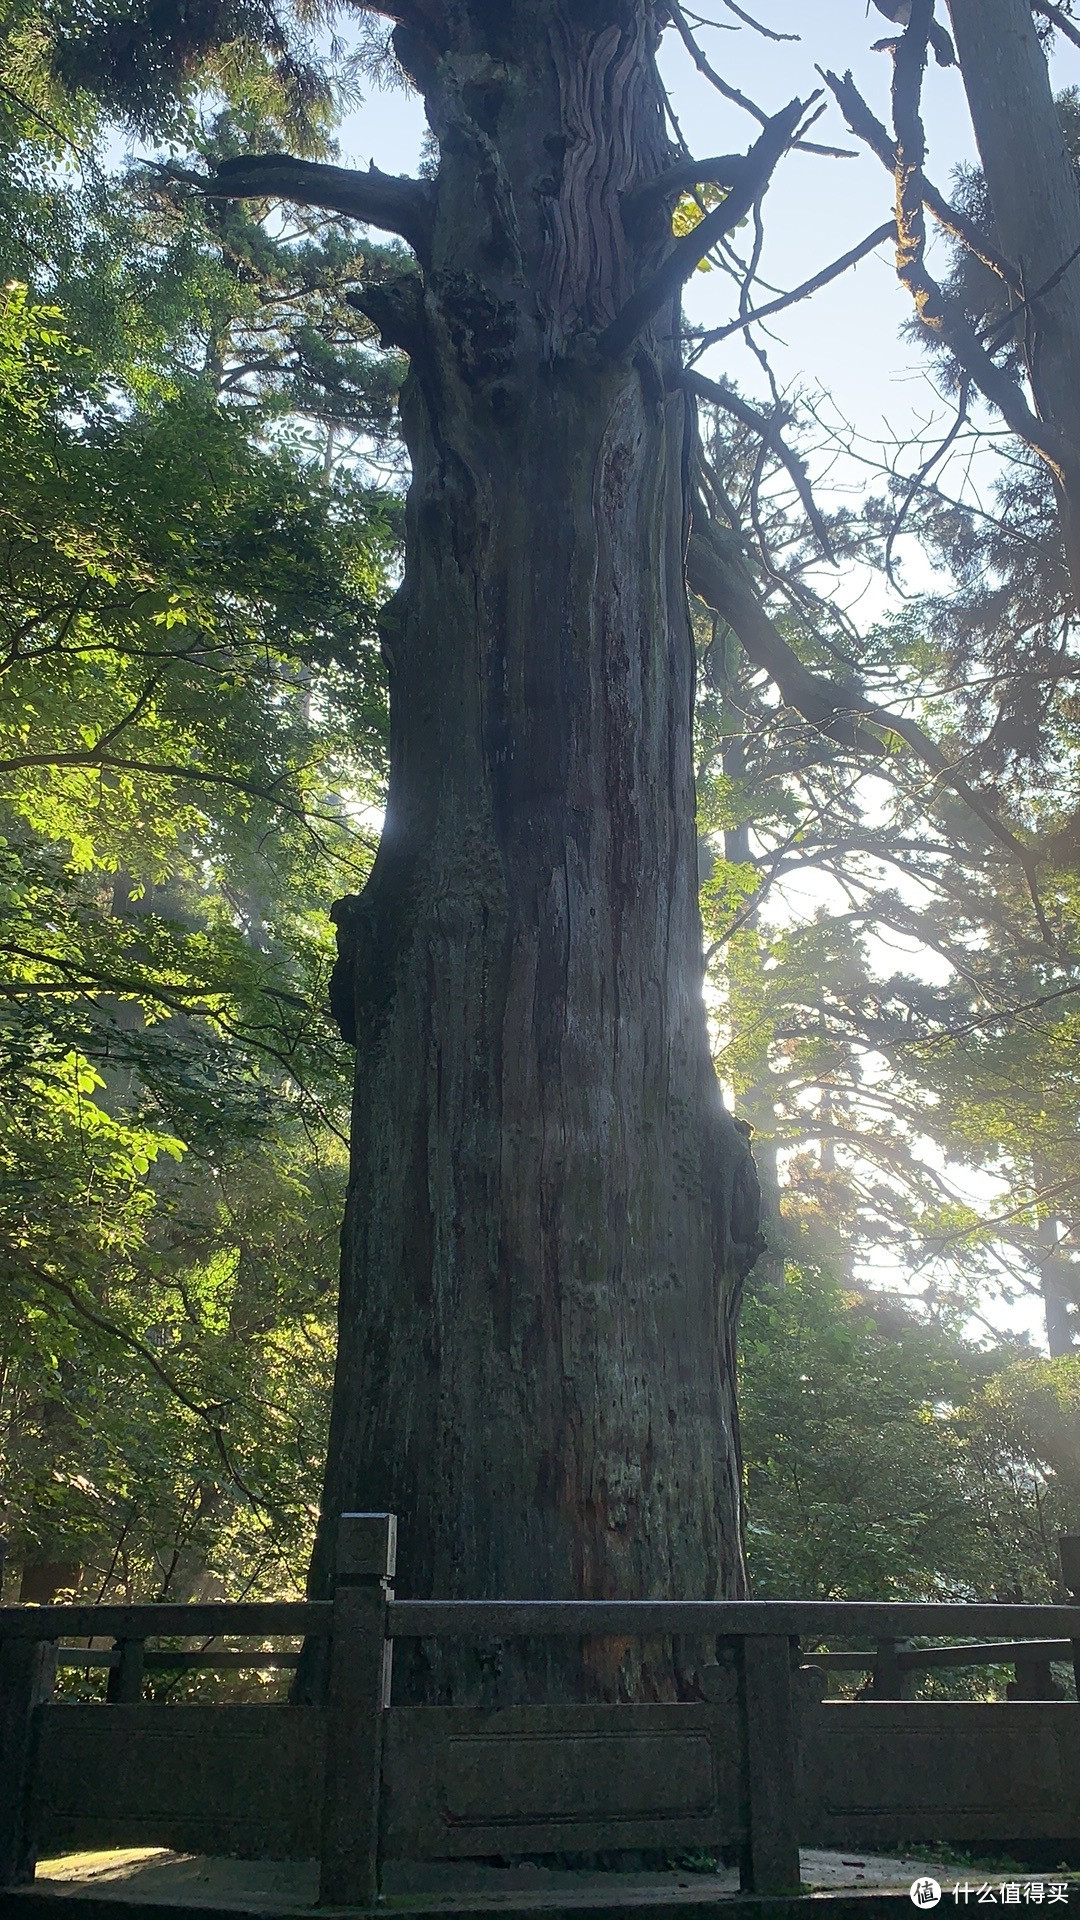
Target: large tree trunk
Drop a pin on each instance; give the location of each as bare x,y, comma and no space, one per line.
550,1212
1035,198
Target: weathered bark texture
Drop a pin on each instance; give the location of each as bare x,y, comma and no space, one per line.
549,1212
1035,199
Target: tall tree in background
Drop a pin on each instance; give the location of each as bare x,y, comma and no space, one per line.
1006,330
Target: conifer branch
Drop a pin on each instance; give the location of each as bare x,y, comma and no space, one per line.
717,574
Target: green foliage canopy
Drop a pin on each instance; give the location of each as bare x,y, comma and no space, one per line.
193,721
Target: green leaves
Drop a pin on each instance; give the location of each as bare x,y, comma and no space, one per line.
193,713
690,210
30,336
888,1460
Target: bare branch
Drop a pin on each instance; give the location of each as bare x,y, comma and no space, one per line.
758,168
801,292
723,170
899,12
385,200
772,438
748,20
866,127
1061,20
682,28
909,66
681,25
905,157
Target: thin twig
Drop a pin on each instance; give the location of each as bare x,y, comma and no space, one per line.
681,25
748,20
802,292
759,166
772,438
918,479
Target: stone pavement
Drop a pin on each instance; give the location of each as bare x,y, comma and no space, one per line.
153,1878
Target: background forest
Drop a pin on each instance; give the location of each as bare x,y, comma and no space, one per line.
201,516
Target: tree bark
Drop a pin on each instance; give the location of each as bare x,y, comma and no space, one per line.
550,1213
1035,198
1057,1280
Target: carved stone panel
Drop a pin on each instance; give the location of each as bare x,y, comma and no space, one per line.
462,1781
213,1779
892,1772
